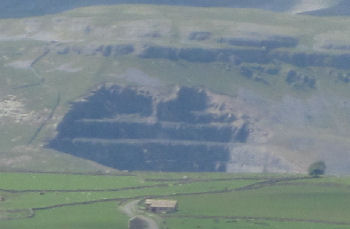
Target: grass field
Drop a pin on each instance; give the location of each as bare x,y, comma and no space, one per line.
207,200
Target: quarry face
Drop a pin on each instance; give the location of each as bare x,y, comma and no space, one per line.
138,128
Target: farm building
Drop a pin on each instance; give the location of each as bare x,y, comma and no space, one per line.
161,206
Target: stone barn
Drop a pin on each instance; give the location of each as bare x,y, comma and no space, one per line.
161,206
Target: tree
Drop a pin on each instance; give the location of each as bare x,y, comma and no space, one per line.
317,168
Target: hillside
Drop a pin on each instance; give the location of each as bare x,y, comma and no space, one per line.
342,8
14,9
282,79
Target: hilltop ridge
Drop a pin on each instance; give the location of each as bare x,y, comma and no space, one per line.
14,9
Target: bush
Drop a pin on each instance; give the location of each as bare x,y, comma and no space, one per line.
317,168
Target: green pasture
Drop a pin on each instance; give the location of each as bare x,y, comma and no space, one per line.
42,181
222,223
43,198
100,215
328,181
305,202
206,200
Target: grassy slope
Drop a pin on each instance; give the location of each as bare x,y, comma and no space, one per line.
306,202
132,23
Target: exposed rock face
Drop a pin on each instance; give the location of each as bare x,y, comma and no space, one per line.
244,51
199,36
207,55
269,43
257,160
188,129
301,81
248,54
133,129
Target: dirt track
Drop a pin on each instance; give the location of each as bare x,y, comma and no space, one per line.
130,209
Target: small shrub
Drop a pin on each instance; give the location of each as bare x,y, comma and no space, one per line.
317,168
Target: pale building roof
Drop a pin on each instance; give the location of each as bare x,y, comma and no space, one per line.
161,203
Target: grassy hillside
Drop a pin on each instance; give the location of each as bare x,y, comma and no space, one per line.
205,200
11,9
296,94
339,9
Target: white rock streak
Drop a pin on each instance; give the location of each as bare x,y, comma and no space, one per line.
312,5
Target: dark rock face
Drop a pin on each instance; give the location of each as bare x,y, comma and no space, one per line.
344,77
104,50
299,80
272,71
199,36
246,51
271,43
314,59
247,55
106,103
206,55
130,129
160,52
116,50
182,108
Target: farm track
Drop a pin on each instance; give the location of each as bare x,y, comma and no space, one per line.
130,209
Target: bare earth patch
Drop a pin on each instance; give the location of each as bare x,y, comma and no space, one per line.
13,109
21,64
